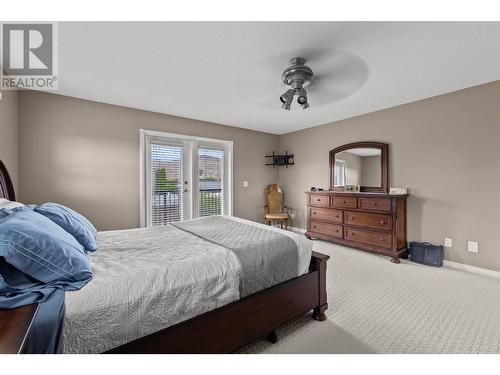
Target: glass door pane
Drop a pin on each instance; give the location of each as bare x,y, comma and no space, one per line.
167,203
210,182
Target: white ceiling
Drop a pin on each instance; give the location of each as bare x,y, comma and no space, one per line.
364,151
229,73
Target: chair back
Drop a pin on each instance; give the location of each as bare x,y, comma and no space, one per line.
274,199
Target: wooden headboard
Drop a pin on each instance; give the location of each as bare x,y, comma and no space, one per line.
6,188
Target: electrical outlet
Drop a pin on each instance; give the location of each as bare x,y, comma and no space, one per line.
245,183
448,242
473,246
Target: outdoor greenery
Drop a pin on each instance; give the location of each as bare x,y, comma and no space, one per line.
208,178
163,183
209,201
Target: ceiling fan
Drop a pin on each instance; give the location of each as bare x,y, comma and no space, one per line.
337,74
297,76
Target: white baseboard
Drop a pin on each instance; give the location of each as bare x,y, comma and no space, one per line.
473,269
297,230
446,263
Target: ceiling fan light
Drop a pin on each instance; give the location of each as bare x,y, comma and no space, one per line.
302,96
286,105
305,105
287,97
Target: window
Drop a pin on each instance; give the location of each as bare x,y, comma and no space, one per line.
184,177
340,173
210,182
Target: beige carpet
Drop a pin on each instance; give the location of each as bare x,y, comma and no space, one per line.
380,307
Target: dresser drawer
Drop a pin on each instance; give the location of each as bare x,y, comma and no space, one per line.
319,200
335,216
363,219
344,202
328,229
376,204
369,238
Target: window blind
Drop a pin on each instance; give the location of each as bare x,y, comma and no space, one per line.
166,184
210,182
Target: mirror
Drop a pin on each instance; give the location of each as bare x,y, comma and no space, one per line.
362,164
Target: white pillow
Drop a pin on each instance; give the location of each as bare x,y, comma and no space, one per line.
5,203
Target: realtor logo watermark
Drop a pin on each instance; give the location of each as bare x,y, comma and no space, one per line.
29,56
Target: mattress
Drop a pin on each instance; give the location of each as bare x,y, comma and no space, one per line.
148,279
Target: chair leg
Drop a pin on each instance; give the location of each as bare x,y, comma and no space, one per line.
281,224
286,224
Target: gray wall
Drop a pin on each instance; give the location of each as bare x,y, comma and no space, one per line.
9,133
446,149
86,155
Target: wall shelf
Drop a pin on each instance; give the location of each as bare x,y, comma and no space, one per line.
278,160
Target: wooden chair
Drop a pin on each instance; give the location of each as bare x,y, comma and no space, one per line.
275,206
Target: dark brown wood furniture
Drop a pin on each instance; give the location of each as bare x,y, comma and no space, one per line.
369,221
6,188
232,326
223,330
14,328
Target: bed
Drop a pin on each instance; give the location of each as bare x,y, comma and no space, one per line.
172,289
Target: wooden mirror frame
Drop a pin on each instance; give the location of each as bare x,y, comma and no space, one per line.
384,170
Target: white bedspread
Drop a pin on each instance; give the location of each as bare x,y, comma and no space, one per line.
148,279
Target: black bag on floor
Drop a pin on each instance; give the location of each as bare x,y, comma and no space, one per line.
426,253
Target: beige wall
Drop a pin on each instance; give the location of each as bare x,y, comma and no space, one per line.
371,170
353,167
445,149
86,155
9,133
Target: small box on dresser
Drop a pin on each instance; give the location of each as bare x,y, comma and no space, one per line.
374,222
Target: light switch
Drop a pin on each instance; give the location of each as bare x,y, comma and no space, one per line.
245,183
448,242
473,246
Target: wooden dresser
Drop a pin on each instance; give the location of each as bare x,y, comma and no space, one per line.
369,221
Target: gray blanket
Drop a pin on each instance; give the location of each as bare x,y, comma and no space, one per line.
267,257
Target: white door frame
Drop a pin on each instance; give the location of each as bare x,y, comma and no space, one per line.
191,159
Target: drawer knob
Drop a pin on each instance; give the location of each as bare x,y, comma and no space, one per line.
381,221
314,226
319,200
375,204
353,218
381,238
314,212
345,202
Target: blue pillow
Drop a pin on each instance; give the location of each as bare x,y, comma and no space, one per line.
42,250
72,222
7,211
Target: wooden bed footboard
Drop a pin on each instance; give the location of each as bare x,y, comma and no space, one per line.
223,330
232,326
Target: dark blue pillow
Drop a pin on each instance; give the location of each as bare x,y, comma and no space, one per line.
72,222
43,251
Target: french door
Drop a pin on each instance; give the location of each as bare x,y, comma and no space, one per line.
184,177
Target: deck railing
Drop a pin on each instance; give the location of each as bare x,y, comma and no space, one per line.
167,205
